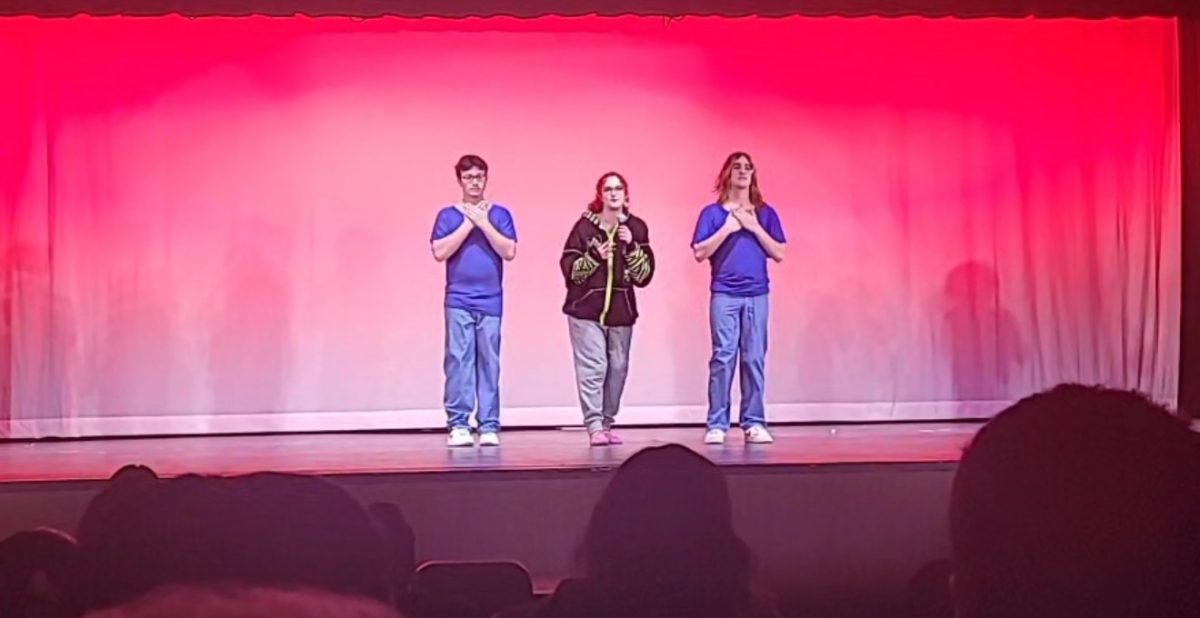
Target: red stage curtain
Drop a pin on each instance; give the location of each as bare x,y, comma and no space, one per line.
222,224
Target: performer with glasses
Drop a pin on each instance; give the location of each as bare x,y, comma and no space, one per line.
607,255
474,237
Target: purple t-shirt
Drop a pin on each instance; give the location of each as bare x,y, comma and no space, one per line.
739,266
475,273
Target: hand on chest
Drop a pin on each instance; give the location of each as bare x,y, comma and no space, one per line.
598,237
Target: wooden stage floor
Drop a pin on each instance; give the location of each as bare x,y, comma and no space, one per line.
333,454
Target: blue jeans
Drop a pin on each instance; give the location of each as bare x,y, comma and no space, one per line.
739,328
472,368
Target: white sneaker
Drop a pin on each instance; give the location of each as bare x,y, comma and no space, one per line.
489,438
758,435
460,436
715,436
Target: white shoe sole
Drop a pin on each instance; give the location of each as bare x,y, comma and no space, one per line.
460,442
489,442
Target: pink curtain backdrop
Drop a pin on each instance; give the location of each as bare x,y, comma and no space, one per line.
222,224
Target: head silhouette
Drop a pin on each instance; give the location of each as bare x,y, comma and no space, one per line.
263,529
125,486
36,569
663,528
1078,502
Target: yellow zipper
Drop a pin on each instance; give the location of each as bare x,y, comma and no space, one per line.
608,285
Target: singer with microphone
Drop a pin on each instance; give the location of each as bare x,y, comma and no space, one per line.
607,255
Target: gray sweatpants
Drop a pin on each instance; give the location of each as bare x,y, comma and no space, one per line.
601,364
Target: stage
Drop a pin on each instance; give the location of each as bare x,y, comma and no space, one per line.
825,508
248,296
543,450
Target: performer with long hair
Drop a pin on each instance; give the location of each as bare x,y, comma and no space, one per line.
737,234
607,255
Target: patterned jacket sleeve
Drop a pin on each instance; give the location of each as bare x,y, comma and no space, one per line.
576,263
639,259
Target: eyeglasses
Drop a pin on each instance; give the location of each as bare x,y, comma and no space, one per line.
473,177
616,189
749,167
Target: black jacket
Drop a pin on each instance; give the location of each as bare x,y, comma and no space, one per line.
602,290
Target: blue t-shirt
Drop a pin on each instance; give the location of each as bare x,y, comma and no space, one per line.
739,266
475,273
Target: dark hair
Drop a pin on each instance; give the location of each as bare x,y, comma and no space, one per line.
663,529
467,162
125,487
597,203
194,529
722,185
1079,501
25,555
